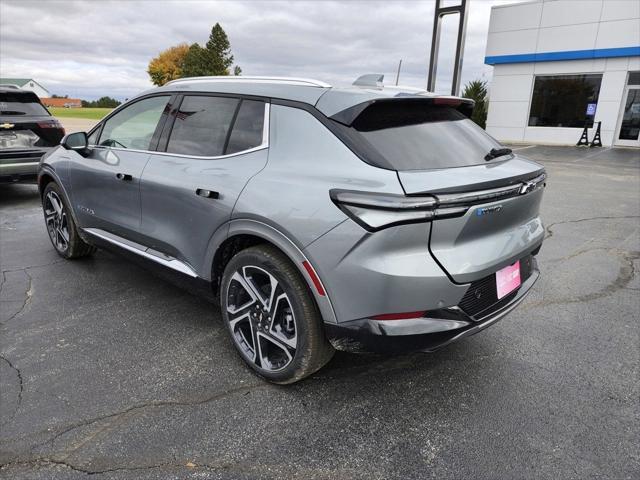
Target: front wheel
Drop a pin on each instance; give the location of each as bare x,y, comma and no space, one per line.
271,316
60,225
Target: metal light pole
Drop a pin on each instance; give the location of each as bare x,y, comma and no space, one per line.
440,12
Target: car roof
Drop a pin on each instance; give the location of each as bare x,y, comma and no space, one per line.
10,89
326,98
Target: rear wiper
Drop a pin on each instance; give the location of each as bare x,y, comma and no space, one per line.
497,152
11,112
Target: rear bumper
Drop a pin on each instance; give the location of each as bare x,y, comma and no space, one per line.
20,165
423,334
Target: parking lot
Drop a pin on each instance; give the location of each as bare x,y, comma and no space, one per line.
109,371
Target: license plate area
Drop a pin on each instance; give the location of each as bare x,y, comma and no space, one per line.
507,280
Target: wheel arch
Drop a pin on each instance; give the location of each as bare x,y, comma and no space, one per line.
244,233
47,175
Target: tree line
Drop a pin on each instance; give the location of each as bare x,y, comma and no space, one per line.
184,60
215,58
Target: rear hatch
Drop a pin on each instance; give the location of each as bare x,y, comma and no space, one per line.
26,127
488,198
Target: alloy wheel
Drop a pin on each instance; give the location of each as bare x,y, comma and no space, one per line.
261,318
56,220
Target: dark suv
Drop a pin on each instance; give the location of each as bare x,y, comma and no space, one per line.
27,131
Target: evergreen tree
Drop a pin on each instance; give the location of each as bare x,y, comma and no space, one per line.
214,58
477,90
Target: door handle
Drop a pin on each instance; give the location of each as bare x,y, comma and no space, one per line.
202,192
125,177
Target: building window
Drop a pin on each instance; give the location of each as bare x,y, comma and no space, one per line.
564,101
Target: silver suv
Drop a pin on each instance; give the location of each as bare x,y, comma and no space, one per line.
365,218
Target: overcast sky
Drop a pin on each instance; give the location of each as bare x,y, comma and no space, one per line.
87,49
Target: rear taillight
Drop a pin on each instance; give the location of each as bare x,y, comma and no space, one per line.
376,211
51,124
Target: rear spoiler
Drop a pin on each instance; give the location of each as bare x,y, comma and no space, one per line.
349,115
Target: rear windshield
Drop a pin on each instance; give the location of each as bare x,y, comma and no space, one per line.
421,136
21,103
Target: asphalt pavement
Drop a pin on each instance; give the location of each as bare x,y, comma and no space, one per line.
109,372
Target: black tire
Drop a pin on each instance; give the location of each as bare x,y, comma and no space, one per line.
74,247
312,350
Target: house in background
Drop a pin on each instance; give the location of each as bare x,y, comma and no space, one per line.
62,102
559,65
26,84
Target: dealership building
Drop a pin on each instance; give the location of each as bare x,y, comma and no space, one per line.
561,65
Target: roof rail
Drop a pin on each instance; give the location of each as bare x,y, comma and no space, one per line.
245,78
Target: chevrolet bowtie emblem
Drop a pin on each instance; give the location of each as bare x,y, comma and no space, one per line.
7,125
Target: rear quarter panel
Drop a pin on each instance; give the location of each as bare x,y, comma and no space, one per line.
305,162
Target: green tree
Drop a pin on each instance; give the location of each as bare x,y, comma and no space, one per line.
214,58
102,102
477,90
168,64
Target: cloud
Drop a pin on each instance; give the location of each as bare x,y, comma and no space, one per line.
89,49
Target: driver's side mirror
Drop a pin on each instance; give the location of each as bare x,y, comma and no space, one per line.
76,141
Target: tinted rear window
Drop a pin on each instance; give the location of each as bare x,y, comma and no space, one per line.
422,136
201,126
21,103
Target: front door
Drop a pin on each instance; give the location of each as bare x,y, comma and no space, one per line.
105,184
628,133
188,191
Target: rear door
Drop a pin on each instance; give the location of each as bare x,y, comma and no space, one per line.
212,146
493,212
106,184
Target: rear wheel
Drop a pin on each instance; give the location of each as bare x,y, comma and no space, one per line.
271,316
60,225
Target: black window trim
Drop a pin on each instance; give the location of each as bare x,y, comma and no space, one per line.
168,127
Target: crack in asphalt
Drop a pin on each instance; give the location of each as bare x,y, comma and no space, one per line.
550,232
79,469
625,275
28,295
152,404
29,291
20,389
215,466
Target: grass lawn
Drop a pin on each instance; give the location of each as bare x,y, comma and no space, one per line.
87,113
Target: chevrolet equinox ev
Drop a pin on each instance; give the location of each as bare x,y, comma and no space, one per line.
365,218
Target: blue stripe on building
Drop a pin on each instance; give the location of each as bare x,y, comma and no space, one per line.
566,55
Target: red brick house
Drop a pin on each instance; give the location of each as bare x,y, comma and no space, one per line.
62,102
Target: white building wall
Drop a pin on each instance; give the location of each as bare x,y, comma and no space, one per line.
556,26
36,88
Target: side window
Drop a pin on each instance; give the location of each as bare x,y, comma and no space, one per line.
134,126
201,125
93,138
247,129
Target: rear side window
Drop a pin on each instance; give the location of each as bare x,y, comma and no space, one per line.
202,125
248,127
21,103
134,125
420,136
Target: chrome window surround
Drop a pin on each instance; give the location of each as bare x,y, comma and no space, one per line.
263,145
